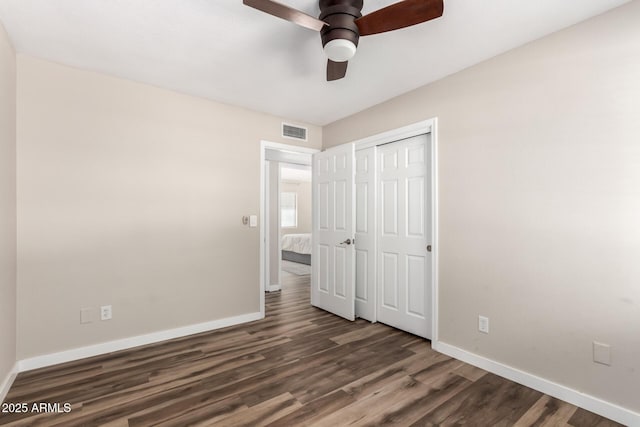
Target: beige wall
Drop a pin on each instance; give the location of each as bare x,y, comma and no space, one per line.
303,191
539,206
7,206
124,198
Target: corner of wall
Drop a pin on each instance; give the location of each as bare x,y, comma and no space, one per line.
8,215
6,384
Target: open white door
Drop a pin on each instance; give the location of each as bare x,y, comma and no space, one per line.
333,253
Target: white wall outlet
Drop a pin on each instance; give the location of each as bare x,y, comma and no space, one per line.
602,353
253,221
105,312
86,315
483,324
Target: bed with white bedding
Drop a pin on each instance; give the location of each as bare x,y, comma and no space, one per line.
297,248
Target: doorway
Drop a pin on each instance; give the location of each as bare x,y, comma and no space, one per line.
285,208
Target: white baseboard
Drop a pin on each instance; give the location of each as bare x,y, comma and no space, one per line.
274,288
8,381
582,400
126,343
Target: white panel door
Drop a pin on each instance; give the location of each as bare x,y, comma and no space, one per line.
366,234
404,231
333,254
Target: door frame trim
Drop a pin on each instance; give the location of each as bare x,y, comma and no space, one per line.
429,126
264,145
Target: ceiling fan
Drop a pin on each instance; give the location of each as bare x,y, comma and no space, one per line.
341,24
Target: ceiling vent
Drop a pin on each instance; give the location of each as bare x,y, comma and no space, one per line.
294,132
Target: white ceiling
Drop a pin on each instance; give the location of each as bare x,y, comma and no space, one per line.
228,52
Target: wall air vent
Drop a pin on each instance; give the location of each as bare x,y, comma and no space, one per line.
294,132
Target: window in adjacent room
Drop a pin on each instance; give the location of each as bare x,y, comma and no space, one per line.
288,210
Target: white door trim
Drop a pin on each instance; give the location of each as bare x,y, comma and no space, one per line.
264,145
427,126
270,286
414,129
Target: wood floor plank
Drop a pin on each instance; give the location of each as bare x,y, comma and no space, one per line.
407,411
547,412
371,407
357,334
470,372
316,410
261,414
298,366
189,412
584,418
490,401
364,386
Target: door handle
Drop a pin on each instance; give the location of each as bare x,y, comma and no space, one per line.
346,242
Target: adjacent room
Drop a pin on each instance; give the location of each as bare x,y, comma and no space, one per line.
295,219
320,212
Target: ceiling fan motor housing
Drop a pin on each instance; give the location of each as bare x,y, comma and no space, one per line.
341,16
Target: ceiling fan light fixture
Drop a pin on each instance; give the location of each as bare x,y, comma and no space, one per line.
340,50
341,24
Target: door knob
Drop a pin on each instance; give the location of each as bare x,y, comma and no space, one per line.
346,242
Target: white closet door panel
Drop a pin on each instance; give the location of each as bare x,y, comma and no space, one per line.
390,201
389,280
415,207
366,233
362,208
362,276
415,279
404,265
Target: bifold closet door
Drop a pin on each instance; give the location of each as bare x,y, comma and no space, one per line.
403,261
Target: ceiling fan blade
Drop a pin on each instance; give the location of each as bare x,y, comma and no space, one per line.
287,13
400,15
336,70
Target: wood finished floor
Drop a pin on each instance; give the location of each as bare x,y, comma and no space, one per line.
299,366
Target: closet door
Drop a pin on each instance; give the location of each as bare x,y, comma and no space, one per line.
366,234
404,263
333,253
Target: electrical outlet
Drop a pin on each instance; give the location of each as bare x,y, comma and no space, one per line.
105,312
483,324
602,353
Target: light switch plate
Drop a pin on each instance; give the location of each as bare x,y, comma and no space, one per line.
253,221
483,324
